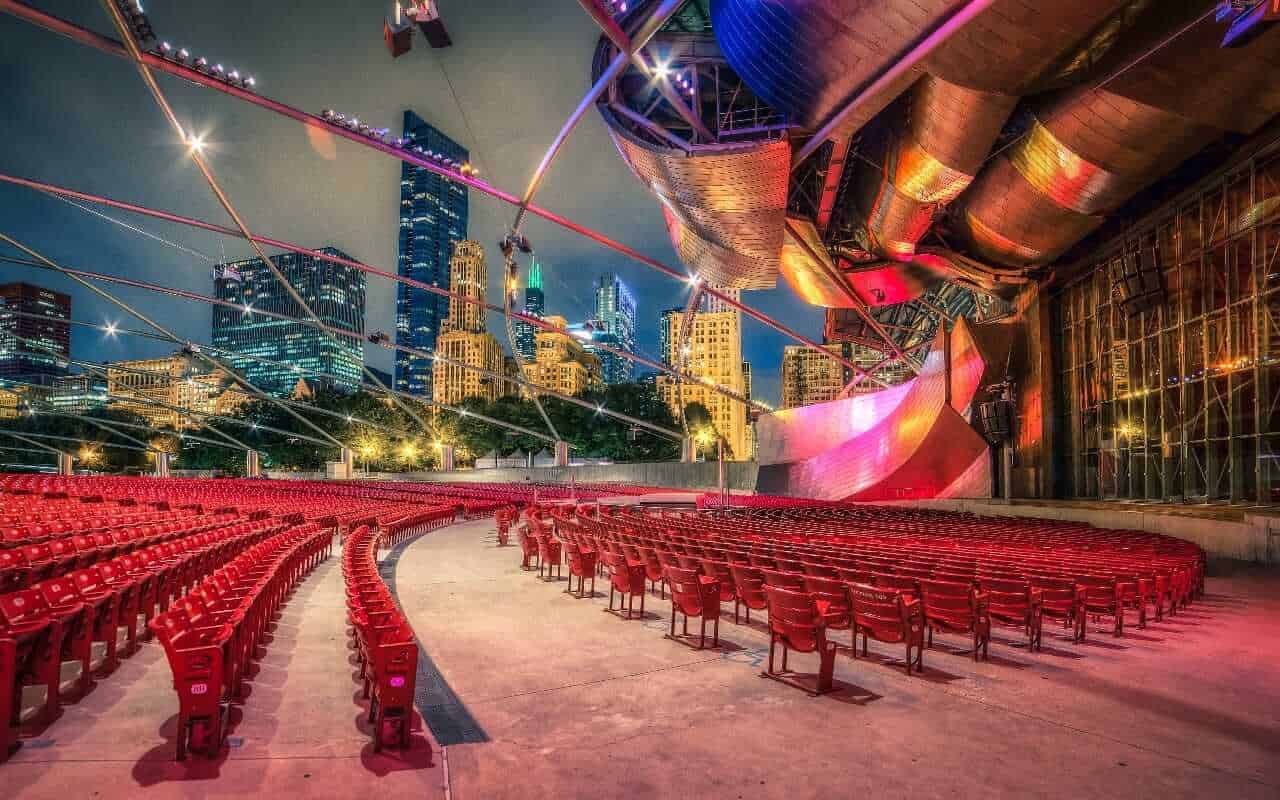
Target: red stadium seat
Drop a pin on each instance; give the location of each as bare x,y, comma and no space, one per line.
889,616
694,595
796,623
958,608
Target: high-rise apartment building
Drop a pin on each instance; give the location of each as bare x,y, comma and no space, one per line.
534,305
664,332
40,315
809,376
336,293
715,359
563,362
463,338
867,357
616,309
433,215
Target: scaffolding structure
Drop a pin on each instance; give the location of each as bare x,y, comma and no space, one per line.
1181,402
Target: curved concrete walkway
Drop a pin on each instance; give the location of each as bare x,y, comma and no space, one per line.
576,703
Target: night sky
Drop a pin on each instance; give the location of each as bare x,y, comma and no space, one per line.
79,118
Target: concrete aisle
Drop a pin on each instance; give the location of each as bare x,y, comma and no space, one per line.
299,733
576,703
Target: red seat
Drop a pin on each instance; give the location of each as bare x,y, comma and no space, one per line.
890,616
625,578
582,563
38,638
63,602
14,572
1102,598
1063,600
958,608
1015,604
750,586
694,595
796,624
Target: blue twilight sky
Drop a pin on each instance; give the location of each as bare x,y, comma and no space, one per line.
83,119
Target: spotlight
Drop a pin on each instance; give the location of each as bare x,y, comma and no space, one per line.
184,54
196,144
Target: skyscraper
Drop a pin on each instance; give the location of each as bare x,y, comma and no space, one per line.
714,359
433,215
463,338
664,333
616,308
40,314
336,294
534,305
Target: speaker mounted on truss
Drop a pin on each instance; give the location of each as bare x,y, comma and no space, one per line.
1138,281
996,417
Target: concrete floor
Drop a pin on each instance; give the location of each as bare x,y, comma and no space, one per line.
576,703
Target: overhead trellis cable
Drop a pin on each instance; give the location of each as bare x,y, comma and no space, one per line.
47,263
114,47
122,26
529,319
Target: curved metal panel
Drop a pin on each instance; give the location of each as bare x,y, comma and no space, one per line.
809,58
815,283
1093,152
725,207
906,441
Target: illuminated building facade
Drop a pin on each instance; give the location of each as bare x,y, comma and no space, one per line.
563,363
335,292
41,316
171,382
433,215
714,358
534,305
463,337
616,311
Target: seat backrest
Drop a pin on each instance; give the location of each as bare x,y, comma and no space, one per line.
1006,596
686,589
793,616
877,609
783,580
24,605
59,591
947,599
903,582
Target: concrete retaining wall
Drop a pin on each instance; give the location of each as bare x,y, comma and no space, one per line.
1255,538
740,475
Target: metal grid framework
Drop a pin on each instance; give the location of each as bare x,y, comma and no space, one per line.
1181,402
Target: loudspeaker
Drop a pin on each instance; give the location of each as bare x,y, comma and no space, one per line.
996,417
1139,282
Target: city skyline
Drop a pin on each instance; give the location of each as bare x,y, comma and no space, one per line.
315,189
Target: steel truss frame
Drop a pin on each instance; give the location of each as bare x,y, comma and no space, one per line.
1183,402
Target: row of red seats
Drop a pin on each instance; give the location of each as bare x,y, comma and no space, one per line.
212,633
22,566
1069,594
86,518
61,618
872,597
1169,578
385,644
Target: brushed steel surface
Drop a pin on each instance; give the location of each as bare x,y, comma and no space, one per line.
725,207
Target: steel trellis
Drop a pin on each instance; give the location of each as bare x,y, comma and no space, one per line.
114,47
